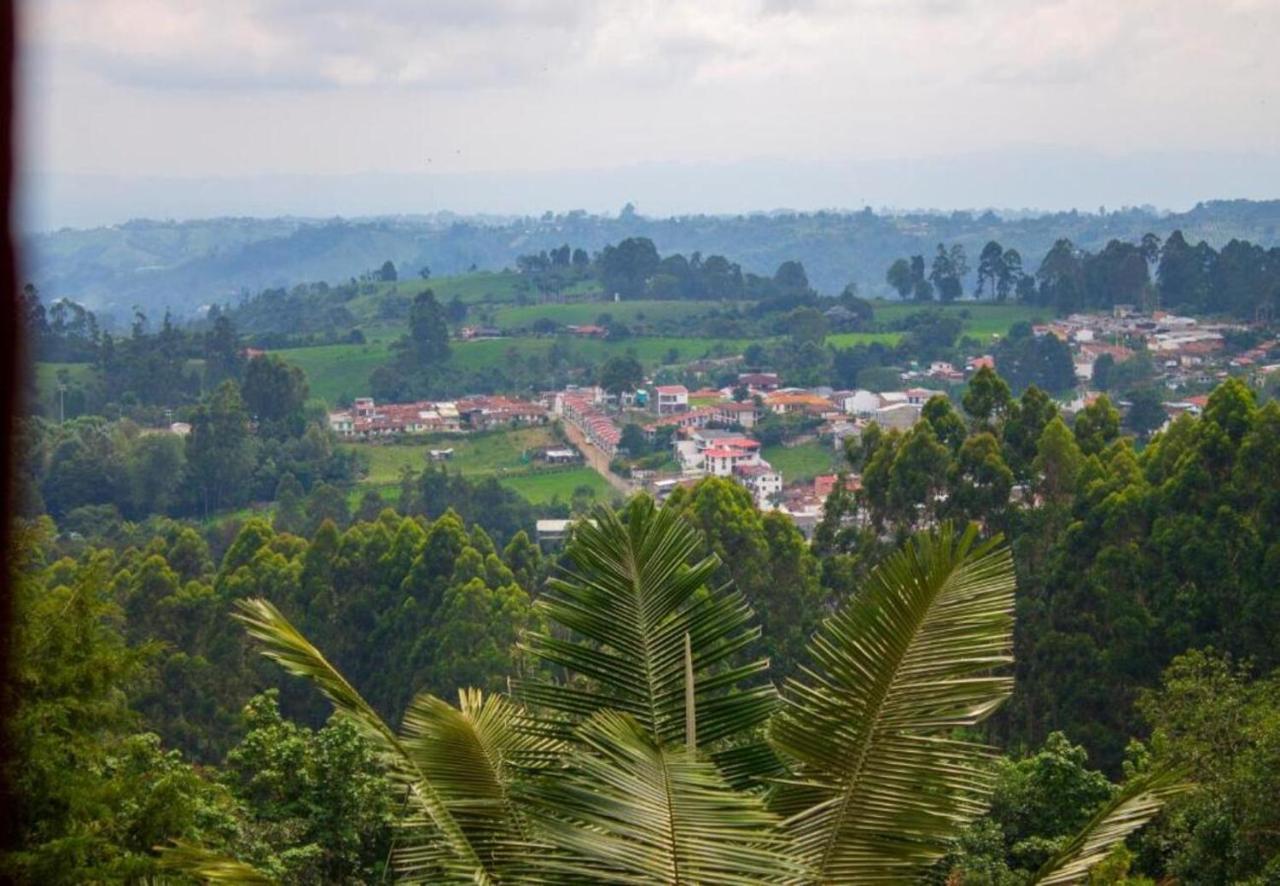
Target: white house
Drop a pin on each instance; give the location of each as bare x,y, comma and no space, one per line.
672,399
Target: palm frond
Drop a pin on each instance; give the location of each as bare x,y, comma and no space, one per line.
471,755
624,810
284,644
880,788
1137,802
210,866
629,600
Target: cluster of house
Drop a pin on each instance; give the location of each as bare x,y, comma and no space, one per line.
368,419
710,429
1183,349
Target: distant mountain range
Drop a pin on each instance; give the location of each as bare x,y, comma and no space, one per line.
183,266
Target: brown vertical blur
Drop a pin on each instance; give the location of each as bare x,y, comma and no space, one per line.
9,387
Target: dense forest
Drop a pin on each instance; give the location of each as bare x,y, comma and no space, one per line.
1143,637
184,265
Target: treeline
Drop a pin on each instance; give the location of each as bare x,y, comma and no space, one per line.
633,269
242,441
1241,280
1125,558
139,375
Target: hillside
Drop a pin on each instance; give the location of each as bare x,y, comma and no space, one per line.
184,265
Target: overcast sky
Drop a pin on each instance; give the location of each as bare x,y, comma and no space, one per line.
889,102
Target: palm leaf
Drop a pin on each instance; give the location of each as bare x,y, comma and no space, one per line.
625,810
1139,801
471,755
210,866
629,600
880,788
286,645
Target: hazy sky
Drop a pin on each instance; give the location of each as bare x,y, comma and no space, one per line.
529,91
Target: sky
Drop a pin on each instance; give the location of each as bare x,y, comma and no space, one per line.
184,108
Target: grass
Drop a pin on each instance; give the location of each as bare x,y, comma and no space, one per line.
523,316
849,339
338,372
542,487
493,452
982,321
499,454
803,462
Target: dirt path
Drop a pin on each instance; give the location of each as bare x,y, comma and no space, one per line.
597,459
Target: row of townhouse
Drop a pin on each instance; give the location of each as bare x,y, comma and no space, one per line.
582,408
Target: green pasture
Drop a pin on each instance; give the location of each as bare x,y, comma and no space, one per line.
804,462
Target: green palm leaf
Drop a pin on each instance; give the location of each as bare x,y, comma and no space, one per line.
210,866
284,644
1139,801
629,600
880,788
625,810
471,755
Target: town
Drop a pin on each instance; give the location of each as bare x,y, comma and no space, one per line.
716,431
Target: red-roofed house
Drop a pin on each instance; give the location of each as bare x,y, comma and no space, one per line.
671,399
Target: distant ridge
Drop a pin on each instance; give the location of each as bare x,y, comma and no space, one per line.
180,266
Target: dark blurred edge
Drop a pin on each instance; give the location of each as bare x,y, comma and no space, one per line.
13,363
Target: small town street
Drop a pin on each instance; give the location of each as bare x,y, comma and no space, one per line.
597,459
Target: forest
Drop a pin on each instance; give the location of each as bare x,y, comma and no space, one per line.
1141,642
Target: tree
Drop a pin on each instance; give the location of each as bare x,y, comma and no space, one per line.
290,515
899,276
1146,412
1057,463
991,269
921,288
633,441
626,268
424,272
1212,717
946,424
621,374
790,278
1097,425
387,273
222,356
979,482
806,325
987,399
156,466
947,272
918,475
220,452
1010,276
274,392
428,343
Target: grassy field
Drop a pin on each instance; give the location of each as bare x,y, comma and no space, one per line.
803,462
542,487
650,350
849,339
500,454
494,452
981,320
338,372
522,316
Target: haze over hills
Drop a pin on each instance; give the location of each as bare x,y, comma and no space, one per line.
182,266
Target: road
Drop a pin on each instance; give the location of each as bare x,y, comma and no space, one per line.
597,459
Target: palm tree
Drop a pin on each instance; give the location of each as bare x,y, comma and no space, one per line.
663,755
